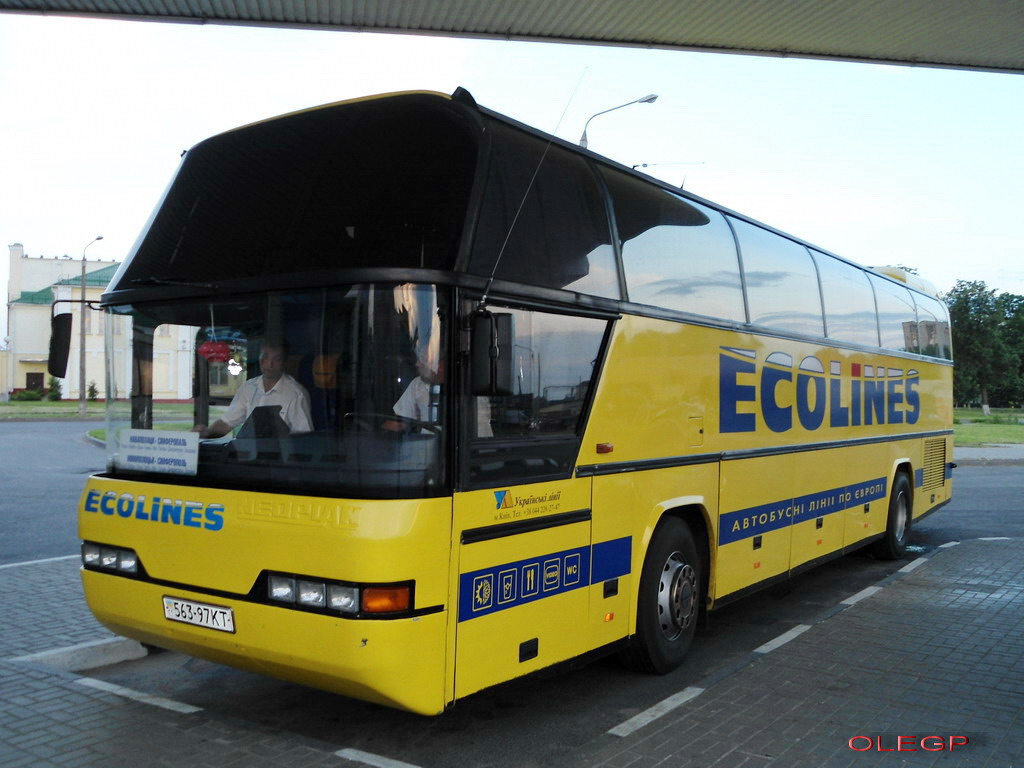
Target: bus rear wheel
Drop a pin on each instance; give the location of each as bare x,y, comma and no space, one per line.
893,545
669,600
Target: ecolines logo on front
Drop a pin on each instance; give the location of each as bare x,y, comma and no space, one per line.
193,514
782,392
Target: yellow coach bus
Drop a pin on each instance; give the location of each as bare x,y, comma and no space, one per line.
538,405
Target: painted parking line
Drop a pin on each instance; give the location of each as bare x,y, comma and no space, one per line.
782,639
367,758
864,593
913,565
38,562
660,709
144,698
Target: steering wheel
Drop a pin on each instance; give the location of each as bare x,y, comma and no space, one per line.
372,421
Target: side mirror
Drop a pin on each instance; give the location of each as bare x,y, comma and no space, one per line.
491,353
60,345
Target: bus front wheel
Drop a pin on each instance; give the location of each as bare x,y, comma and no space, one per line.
669,600
893,545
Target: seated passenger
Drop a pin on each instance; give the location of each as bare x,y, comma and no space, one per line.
272,387
414,404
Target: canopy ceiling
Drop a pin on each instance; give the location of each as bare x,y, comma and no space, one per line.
962,34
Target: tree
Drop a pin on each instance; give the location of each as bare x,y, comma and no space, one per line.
53,386
1010,390
988,359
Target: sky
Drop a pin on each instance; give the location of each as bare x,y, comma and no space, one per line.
881,164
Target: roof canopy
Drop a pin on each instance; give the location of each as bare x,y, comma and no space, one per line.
981,34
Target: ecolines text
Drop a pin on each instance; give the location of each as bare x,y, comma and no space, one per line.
193,514
848,396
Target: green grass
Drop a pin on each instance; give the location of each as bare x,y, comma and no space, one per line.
44,409
68,409
101,434
972,427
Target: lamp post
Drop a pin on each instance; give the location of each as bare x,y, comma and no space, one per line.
648,99
81,336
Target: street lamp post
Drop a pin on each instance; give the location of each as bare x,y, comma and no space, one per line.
648,99
81,335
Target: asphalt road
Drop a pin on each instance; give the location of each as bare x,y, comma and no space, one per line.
43,466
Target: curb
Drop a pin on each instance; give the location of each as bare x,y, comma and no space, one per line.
989,462
85,656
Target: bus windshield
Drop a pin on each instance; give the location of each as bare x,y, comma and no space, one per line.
334,391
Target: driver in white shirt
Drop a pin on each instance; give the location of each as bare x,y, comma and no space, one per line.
272,387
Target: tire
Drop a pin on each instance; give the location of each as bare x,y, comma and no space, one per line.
893,545
669,600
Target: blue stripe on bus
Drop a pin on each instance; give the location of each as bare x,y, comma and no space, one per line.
754,521
611,559
508,585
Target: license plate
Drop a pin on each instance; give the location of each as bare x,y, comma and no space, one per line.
199,614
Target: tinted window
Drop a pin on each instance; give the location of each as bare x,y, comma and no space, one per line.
533,433
676,253
897,320
359,408
782,284
550,229
849,301
377,183
932,327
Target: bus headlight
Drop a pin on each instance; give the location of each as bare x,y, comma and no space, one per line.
355,600
344,599
102,557
127,561
312,593
281,589
90,554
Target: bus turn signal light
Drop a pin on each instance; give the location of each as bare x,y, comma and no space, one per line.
385,599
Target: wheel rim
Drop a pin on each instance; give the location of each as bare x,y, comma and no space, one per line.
677,596
900,521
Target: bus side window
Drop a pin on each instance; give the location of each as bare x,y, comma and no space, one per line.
849,301
897,317
933,327
551,229
553,363
676,253
781,281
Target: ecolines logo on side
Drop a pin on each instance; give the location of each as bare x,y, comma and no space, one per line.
784,392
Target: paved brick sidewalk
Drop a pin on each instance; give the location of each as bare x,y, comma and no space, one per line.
44,608
937,651
49,718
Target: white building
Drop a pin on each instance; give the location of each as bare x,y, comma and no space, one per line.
34,284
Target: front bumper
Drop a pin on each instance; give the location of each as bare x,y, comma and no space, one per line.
398,662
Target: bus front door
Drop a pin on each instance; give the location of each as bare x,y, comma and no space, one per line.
523,580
